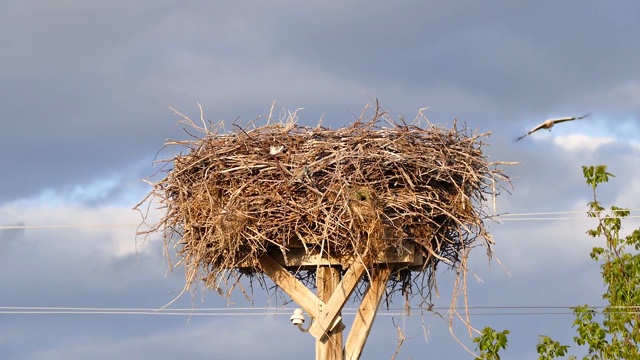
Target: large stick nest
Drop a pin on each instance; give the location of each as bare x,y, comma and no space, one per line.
363,190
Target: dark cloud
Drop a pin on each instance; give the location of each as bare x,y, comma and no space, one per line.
98,98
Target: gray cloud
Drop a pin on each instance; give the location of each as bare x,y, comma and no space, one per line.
97,98
10,236
84,92
13,232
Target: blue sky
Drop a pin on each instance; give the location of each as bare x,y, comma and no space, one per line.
84,94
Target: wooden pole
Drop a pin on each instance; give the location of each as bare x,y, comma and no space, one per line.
327,281
340,296
325,307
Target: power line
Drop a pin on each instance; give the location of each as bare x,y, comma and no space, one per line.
532,216
544,216
561,218
271,311
82,226
259,314
559,212
273,308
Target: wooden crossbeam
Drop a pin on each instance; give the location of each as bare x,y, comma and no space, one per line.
327,316
366,313
300,259
326,307
289,284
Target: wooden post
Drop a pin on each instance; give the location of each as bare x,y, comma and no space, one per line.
327,280
340,296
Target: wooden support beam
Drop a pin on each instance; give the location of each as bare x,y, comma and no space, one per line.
327,316
298,259
366,313
289,284
327,280
325,308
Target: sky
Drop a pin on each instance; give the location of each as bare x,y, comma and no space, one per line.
85,91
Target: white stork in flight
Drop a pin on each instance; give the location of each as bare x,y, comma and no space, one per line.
549,124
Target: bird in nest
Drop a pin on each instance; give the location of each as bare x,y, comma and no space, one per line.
550,123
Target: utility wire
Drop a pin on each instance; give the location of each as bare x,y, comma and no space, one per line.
271,311
535,216
545,215
272,308
87,226
246,314
559,212
499,219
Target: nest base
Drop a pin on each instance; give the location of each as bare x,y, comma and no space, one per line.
298,259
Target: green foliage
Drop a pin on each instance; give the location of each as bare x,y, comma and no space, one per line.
596,175
490,342
615,332
551,349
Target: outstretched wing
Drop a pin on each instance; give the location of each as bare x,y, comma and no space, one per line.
559,120
549,123
521,137
541,126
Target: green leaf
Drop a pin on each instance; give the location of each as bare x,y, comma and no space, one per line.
612,332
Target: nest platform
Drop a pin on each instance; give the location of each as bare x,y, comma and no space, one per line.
376,191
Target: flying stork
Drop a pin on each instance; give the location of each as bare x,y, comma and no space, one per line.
549,124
